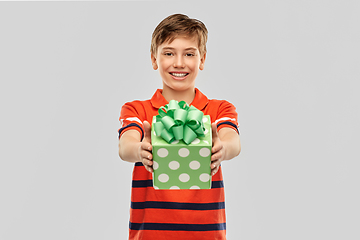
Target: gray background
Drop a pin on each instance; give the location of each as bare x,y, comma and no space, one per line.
290,67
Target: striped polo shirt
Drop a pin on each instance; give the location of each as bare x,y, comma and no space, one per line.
176,214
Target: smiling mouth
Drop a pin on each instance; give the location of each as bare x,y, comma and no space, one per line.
179,74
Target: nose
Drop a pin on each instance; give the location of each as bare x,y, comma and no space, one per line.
179,62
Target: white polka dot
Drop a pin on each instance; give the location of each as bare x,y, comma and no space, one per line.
174,187
205,119
174,165
194,187
194,165
184,152
163,177
206,131
175,142
204,152
162,152
155,165
184,177
205,177
196,141
156,187
206,142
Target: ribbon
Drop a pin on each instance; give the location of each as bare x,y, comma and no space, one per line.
178,120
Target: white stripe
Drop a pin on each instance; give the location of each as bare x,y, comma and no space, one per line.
225,118
131,119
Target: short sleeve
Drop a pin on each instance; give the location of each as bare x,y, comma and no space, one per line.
130,119
227,116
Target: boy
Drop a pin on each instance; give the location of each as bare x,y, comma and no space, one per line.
178,51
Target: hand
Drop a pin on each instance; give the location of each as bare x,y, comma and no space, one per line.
145,148
218,150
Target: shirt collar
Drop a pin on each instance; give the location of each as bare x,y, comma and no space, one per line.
200,101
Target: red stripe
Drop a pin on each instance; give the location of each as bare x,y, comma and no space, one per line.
194,196
140,173
177,216
178,235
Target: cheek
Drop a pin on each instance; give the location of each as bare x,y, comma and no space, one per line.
164,61
195,66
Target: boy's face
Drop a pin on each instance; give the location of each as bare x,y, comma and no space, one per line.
178,63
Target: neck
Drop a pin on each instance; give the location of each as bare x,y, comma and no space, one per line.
187,95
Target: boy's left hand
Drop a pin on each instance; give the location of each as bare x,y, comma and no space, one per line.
218,150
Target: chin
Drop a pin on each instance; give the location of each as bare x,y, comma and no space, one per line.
180,87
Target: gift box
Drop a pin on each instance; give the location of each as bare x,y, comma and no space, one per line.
180,161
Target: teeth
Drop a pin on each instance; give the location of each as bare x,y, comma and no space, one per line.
179,74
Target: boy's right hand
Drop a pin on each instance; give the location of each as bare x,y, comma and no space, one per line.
145,149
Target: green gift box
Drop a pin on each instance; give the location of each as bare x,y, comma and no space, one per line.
181,165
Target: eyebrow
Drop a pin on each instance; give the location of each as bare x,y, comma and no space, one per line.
186,49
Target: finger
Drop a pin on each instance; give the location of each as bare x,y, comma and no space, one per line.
146,146
147,130
147,162
217,147
149,169
215,157
148,165
214,171
146,155
215,164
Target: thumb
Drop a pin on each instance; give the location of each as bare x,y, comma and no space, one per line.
147,129
214,132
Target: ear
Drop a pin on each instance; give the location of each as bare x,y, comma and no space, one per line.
154,63
202,62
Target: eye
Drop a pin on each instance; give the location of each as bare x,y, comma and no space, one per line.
189,55
168,54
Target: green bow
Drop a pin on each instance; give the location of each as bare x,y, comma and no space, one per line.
177,120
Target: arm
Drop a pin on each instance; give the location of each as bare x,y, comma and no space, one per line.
226,145
131,149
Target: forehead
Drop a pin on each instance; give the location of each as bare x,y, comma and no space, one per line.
181,42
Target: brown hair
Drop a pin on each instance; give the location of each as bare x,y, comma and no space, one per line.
177,25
